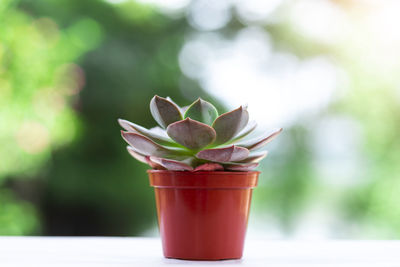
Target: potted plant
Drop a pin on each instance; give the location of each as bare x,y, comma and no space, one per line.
202,174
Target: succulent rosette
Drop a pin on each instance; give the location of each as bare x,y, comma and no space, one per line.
196,138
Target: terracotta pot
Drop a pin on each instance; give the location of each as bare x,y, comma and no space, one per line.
203,215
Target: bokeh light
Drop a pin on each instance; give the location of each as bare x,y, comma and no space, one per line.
327,71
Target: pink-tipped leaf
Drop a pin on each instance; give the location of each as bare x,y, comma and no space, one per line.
164,111
147,147
191,134
240,167
211,166
254,157
160,131
172,165
230,124
136,155
143,158
225,154
250,127
154,165
256,143
154,133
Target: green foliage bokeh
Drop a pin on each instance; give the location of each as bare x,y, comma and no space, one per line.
70,68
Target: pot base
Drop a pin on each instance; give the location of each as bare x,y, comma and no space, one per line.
190,259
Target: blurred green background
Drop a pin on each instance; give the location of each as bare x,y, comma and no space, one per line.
326,71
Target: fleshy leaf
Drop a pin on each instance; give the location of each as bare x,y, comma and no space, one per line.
240,167
191,134
211,166
136,155
152,134
160,131
143,158
172,165
145,146
183,109
154,165
225,154
251,126
164,111
260,142
185,142
229,124
202,111
172,101
254,157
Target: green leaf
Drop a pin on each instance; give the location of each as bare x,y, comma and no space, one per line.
183,109
229,124
256,143
202,111
191,134
164,111
225,154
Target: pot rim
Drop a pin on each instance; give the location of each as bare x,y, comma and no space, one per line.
203,172
203,179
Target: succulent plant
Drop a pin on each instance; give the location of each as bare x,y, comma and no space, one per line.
196,138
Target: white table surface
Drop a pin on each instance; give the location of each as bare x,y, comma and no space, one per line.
141,252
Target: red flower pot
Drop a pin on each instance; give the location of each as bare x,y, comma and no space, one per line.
203,215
